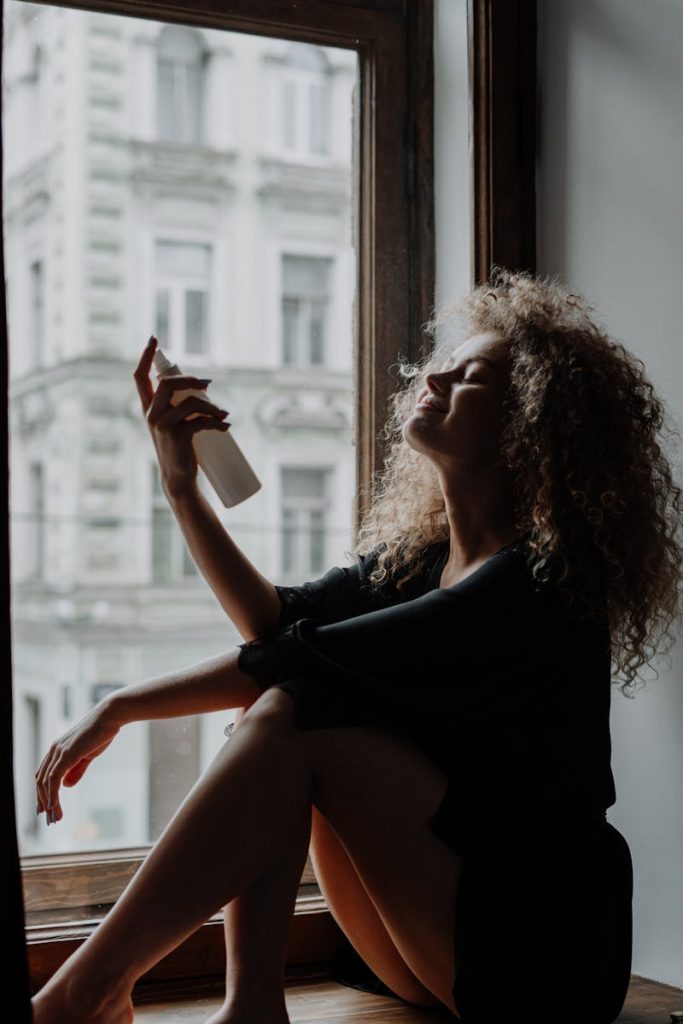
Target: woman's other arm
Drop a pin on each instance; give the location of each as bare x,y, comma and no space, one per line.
212,685
249,599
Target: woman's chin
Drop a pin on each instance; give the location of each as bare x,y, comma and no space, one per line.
417,422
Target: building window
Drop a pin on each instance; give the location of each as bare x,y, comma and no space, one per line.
183,281
303,516
305,102
171,559
37,312
37,518
305,299
181,63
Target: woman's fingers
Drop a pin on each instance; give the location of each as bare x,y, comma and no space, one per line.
176,413
47,797
141,375
161,403
68,758
194,426
155,402
55,770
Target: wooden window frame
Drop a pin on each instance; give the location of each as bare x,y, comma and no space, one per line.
395,243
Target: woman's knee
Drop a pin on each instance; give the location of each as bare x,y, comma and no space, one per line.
272,703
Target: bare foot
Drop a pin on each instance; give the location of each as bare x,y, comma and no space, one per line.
56,1004
246,1012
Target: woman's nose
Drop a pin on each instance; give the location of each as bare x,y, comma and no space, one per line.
433,382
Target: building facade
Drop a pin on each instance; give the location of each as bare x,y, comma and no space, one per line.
196,184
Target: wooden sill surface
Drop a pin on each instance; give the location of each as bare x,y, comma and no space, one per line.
647,1002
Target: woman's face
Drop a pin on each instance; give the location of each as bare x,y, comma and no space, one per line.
464,433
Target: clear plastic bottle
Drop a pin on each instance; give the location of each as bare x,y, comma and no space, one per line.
217,452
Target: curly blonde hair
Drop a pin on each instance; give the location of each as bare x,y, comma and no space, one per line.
591,484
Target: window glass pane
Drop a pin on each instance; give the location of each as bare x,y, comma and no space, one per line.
194,79
289,113
234,282
307,56
305,282
319,117
183,259
108,822
304,508
290,321
317,554
180,60
305,276
317,331
166,101
184,269
195,321
288,519
303,483
163,313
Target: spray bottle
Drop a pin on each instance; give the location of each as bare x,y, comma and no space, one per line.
217,453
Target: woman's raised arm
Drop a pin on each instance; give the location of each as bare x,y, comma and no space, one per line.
249,599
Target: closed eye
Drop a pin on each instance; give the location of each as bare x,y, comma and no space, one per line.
473,379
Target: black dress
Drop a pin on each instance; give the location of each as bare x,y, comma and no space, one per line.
508,690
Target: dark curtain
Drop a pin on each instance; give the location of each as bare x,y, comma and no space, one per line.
16,983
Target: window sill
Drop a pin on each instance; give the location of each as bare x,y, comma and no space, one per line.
197,965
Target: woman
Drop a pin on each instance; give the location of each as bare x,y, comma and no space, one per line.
433,720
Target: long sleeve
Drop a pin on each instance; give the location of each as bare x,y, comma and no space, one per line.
477,647
504,687
341,593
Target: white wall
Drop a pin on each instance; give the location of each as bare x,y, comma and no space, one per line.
610,223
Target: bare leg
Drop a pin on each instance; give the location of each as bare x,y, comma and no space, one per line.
246,811
257,926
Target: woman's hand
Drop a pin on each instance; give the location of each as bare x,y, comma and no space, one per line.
171,432
68,757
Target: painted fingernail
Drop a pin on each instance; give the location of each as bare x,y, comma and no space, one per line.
37,808
49,803
204,380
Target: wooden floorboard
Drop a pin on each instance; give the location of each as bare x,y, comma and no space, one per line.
647,1002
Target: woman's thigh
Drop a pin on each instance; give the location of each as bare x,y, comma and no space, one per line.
355,913
378,792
